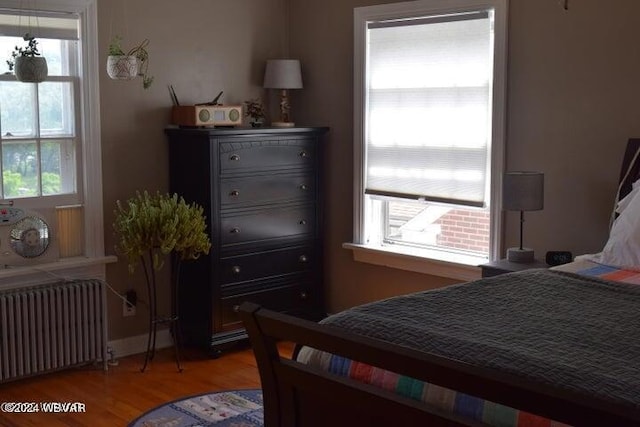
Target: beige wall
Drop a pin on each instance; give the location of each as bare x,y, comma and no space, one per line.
573,93
200,47
572,103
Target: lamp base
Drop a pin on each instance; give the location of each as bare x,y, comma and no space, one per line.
523,255
283,124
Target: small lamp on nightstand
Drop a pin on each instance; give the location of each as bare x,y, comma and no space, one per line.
283,74
522,191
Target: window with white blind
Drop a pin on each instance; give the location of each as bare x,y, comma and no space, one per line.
429,112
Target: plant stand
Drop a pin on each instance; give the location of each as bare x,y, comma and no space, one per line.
152,229
155,320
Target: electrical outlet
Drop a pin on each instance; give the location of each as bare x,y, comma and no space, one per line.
127,309
129,304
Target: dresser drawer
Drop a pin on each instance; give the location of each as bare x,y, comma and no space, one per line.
266,264
294,298
266,224
274,188
264,155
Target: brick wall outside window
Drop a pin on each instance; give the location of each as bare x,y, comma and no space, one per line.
465,230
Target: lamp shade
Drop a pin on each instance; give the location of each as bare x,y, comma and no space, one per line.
523,191
283,74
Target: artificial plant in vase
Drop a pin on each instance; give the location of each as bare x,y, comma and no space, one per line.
255,111
127,65
27,63
150,228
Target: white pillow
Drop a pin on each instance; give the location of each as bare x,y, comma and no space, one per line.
623,247
622,204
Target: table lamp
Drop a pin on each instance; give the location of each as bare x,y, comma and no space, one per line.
522,191
283,74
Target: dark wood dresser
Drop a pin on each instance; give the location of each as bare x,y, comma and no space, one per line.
261,193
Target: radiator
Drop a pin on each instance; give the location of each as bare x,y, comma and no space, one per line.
50,327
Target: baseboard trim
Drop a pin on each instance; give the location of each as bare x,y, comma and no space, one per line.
138,344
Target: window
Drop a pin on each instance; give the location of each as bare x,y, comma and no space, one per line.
429,127
50,134
39,138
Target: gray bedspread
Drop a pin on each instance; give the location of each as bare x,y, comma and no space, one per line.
559,328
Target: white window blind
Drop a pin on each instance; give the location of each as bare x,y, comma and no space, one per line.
46,25
428,108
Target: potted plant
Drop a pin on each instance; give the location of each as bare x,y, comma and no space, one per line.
151,227
27,63
128,65
255,111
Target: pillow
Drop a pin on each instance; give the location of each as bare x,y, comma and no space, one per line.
622,204
623,247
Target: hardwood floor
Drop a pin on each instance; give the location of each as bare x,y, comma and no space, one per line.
123,393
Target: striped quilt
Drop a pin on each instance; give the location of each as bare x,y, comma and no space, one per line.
450,401
540,292
592,269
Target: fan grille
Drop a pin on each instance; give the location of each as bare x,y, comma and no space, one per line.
30,237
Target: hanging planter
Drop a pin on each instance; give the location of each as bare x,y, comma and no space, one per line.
31,69
128,65
122,67
26,62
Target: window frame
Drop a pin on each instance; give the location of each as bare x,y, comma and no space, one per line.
89,155
40,138
414,259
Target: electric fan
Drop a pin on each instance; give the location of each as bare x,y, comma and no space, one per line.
26,237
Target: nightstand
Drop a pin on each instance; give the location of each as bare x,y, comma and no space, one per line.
505,266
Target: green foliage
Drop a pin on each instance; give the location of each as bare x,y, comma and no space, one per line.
139,51
22,169
51,183
11,182
115,46
30,50
157,225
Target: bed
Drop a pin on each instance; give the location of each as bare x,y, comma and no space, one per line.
535,348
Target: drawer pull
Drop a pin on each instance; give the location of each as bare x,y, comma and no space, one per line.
303,222
235,269
303,153
236,308
303,295
235,230
303,258
234,158
304,187
234,193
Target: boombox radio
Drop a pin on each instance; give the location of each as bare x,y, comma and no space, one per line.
207,115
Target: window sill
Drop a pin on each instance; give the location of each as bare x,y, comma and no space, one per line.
68,268
418,260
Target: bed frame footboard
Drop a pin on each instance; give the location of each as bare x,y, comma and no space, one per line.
298,395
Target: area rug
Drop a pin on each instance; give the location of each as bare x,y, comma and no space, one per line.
237,408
